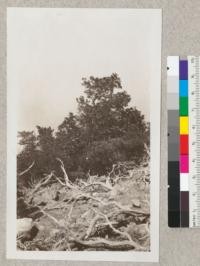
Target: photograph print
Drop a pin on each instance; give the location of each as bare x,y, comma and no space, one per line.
83,99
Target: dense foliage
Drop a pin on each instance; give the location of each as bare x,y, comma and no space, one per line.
104,131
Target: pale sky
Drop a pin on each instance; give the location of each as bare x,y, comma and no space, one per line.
50,50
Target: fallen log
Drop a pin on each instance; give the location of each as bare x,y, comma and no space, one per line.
100,243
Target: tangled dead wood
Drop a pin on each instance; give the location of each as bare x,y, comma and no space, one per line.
104,216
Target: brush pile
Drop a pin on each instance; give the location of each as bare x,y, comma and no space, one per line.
110,212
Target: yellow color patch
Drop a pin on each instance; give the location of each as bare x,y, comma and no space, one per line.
184,125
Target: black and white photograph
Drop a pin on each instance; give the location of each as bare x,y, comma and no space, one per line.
83,89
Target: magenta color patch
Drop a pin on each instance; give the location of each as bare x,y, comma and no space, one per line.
184,164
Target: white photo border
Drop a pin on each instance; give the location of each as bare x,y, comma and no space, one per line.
155,103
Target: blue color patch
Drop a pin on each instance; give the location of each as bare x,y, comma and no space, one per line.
183,88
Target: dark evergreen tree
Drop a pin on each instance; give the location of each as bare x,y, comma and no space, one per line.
105,130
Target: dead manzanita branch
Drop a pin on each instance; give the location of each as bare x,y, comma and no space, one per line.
110,245
42,183
27,170
105,186
91,226
64,171
124,234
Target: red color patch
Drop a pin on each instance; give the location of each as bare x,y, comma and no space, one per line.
184,146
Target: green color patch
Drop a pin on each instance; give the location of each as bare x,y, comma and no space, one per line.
183,106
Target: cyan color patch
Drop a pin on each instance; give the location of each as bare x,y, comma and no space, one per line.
183,88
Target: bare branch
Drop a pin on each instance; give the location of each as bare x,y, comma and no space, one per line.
58,179
92,224
121,177
132,212
51,217
124,209
83,182
91,178
82,196
64,171
27,170
57,245
70,211
42,183
112,170
124,234
98,184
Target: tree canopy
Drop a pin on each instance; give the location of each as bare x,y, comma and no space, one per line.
105,130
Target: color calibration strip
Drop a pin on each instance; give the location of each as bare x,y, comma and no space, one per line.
183,104
173,141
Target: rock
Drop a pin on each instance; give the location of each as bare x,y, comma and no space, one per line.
24,225
136,203
26,229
